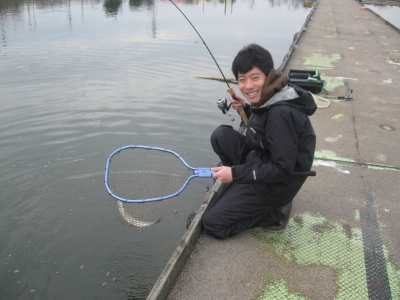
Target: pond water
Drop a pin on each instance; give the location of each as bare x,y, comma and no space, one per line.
387,12
81,78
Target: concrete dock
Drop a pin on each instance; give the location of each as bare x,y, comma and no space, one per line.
343,238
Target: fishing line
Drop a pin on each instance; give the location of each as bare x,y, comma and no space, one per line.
202,41
230,89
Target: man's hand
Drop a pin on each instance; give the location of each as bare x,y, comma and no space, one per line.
238,103
223,173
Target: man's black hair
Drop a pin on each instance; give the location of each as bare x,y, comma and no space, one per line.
251,56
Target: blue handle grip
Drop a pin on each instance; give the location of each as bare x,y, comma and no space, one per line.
203,172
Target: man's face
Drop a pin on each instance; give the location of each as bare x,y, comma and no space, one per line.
251,84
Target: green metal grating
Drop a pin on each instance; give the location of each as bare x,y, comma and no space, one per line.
279,290
314,240
375,263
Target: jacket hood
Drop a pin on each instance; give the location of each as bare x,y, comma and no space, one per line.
293,96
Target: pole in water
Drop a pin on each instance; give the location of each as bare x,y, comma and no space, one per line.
230,89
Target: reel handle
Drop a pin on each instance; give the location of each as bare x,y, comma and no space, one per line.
241,111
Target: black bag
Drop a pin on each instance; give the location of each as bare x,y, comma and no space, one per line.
308,80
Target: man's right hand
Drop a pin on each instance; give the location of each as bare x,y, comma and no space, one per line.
222,173
238,103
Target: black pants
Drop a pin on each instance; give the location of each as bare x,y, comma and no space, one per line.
236,208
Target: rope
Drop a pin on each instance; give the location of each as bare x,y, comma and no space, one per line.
320,101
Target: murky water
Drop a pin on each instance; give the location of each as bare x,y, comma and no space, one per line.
79,79
387,12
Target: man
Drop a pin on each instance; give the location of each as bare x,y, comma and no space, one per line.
259,166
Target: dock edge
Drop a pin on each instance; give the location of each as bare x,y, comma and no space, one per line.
177,262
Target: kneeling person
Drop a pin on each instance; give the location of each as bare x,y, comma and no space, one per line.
259,165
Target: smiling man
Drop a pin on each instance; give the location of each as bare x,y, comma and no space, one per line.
259,166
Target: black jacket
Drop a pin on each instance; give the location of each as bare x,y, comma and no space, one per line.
283,142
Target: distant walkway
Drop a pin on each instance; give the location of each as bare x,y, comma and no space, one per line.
382,2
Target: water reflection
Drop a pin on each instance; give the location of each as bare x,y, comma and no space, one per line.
135,4
80,78
113,7
13,10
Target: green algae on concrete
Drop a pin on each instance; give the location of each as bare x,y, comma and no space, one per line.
394,278
382,167
314,240
326,25
321,61
391,61
331,83
278,290
337,116
330,155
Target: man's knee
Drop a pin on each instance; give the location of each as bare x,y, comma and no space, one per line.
211,228
220,139
206,221
220,132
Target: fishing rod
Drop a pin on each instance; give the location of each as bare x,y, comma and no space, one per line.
230,89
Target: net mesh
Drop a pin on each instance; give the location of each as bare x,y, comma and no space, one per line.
139,174
142,214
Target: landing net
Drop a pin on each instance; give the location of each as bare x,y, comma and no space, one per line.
145,176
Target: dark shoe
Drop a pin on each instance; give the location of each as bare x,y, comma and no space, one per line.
277,227
190,219
284,216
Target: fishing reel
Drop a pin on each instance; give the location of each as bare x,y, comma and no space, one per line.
224,107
